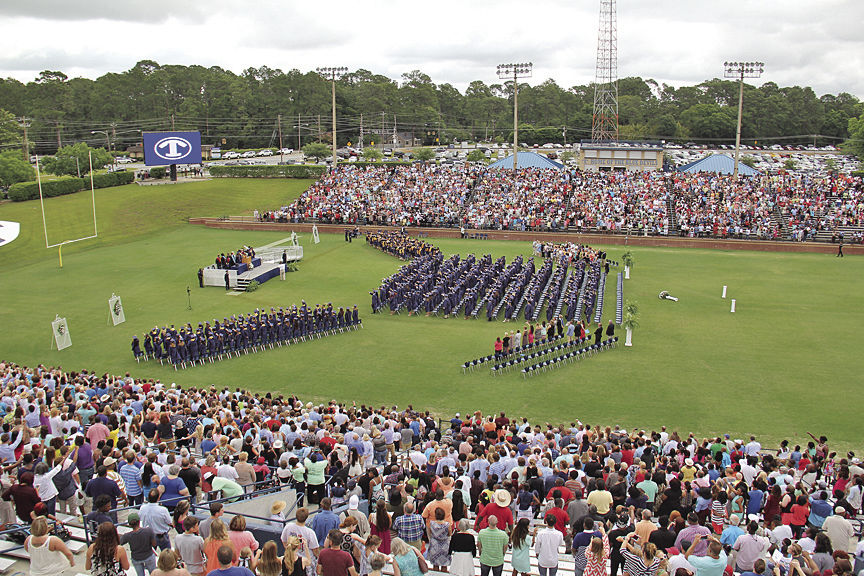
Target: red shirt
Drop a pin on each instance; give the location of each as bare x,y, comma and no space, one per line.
562,520
504,515
566,494
335,562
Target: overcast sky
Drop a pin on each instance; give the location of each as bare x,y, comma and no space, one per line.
814,43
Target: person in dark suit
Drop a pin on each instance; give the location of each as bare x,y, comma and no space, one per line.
840,248
227,281
200,277
284,256
598,333
610,329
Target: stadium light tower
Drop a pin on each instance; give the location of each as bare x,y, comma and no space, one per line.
741,70
604,123
515,71
332,73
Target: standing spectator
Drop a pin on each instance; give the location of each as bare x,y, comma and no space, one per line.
131,475
546,545
156,517
315,468
406,557
409,526
309,545
492,544
172,488
463,549
245,472
105,556
100,485
49,556
24,496
839,530
324,521
167,565
438,531
713,563
520,541
596,554
215,543
141,542
333,561
498,507
215,512
190,546
239,536
643,561
225,559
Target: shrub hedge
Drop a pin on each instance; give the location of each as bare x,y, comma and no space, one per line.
30,190
268,171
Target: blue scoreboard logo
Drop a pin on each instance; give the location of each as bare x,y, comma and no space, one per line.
164,148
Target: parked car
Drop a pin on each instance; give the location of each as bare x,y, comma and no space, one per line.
267,152
124,160
286,151
231,155
248,154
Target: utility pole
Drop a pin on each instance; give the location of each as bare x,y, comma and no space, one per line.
172,122
59,140
279,124
516,71
382,131
395,134
741,70
24,122
332,73
113,134
360,142
319,128
298,131
565,136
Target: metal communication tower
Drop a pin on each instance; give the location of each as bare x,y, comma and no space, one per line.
604,125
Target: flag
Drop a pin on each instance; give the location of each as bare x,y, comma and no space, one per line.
61,333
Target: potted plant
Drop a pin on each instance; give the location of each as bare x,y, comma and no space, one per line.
628,260
631,320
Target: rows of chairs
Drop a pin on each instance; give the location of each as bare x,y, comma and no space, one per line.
619,303
471,364
476,236
518,360
569,357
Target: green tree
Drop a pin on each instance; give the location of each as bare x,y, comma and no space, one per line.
10,131
789,164
855,143
70,159
748,161
477,156
372,154
13,168
317,150
424,154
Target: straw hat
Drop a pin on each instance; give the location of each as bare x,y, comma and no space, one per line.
278,507
502,498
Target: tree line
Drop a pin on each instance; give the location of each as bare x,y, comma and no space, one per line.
249,109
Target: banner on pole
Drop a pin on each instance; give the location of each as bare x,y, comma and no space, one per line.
315,237
115,306
61,333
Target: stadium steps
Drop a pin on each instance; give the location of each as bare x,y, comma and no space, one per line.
780,218
670,210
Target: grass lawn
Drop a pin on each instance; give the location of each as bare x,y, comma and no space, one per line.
785,363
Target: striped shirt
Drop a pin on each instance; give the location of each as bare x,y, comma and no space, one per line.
131,476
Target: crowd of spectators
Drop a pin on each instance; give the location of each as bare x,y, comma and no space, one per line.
703,205
650,503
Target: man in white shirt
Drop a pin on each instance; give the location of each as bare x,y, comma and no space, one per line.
839,530
308,539
753,447
226,470
546,545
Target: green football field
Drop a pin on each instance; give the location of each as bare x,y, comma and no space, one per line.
784,364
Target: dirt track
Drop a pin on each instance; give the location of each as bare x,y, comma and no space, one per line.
596,238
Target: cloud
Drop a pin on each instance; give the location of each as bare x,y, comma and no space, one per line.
802,42
135,11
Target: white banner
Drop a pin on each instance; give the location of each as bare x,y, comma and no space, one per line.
315,237
115,307
61,333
